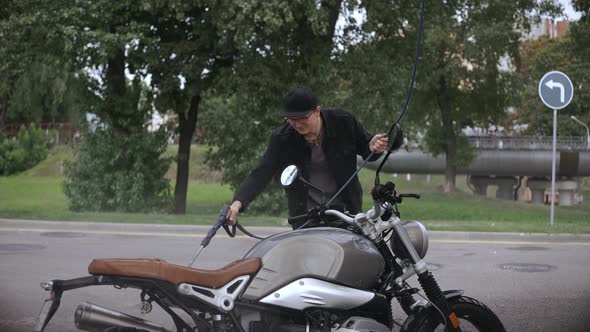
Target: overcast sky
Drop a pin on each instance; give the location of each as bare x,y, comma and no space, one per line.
569,11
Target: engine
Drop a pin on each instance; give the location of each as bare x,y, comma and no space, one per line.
361,324
322,322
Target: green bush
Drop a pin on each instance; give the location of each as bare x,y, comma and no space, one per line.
119,171
30,146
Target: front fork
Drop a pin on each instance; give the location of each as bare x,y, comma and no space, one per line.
436,296
425,277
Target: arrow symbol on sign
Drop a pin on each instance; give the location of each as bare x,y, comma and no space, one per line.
552,85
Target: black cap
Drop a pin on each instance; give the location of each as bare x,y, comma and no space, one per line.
299,102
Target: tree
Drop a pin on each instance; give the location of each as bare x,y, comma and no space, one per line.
38,81
187,47
67,50
120,164
579,37
570,55
29,147
48,92
290,43
118,173
460,81
183,47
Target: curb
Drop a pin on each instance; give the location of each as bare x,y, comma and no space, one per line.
24,225
516,237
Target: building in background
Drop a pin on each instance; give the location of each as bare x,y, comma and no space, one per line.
548,27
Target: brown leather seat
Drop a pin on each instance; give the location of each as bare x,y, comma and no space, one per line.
159,269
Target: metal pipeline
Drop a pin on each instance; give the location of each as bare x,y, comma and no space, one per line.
491,162
91,317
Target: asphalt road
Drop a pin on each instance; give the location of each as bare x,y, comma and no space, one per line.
532,282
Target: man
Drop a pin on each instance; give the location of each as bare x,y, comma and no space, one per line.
324,144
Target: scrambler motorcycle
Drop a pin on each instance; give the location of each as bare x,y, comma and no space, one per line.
342,275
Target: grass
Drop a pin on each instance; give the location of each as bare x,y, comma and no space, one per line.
38,194
26,197
463,211
53,165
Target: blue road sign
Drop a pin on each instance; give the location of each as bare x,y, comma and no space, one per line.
556,90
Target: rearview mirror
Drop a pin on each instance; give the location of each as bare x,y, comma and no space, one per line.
289,175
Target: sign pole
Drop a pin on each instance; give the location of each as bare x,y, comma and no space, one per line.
553,165
556,91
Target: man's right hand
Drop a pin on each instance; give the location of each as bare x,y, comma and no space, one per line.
232,214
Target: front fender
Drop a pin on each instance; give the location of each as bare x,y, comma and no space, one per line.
413,318
449,294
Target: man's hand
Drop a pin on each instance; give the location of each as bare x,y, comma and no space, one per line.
234,210
378,143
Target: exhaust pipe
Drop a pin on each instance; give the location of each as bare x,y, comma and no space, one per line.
94,318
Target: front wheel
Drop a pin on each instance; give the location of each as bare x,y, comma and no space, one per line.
473,316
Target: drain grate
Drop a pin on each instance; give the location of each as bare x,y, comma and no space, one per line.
527,267
20,247
63,234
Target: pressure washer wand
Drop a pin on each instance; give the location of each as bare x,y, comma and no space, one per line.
220,222
195,256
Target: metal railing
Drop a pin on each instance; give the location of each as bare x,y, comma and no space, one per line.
65,132
569,143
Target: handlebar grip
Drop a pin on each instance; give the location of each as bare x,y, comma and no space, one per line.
296,219
417,196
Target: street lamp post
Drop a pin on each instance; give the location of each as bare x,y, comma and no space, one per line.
587,130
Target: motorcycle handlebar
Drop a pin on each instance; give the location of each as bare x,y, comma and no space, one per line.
311,215
340,215
299,218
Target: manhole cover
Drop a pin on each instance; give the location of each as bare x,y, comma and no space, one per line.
527,267
63,234
434,266
528,248
20,247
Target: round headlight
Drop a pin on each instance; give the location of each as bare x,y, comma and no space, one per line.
418,236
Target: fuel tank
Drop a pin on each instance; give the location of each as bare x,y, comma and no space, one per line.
330,254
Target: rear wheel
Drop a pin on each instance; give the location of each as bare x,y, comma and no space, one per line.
473,316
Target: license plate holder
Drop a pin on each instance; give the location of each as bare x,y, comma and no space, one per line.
40,322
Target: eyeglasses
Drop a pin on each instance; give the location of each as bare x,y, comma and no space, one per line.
300,118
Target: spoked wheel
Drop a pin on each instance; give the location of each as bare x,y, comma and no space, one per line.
473,315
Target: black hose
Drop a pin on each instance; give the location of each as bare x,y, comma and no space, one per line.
241,228
409,94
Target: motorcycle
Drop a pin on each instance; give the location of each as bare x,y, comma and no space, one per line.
341,275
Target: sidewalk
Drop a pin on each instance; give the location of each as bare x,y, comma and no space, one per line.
201,230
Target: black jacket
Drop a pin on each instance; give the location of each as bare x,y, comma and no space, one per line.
344,139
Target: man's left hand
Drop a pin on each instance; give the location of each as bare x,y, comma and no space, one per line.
378,143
